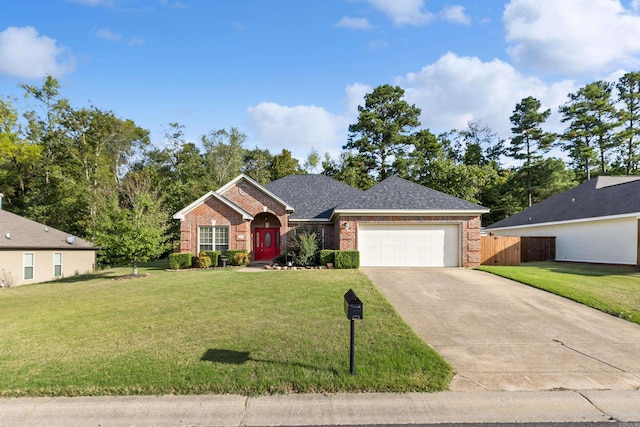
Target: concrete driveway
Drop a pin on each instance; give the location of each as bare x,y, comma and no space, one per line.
502,335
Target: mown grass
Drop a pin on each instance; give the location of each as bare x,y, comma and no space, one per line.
614,290
201,332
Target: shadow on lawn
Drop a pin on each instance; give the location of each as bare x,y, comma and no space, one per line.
234,357
585,269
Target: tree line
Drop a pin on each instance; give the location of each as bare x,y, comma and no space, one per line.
88,172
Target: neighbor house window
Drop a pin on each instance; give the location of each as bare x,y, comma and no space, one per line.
57,264
28,266
213,238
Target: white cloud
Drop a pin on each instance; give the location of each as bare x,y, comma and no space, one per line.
355,97
299,128
404,12
107,34
135,41
572,36
24,53
378,44
455,14
354,23
303,127
455,90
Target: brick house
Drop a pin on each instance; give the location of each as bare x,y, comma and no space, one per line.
394,223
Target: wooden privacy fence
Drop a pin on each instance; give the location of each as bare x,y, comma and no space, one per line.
512,250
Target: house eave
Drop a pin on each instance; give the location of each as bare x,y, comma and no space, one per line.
408,212
568,221
312,220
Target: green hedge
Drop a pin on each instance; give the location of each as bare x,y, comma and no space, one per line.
180,260
231,255
327,256
215,256
347,259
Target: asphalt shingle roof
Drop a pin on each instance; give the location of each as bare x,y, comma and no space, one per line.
17,232
317,196
395,193
312,196
601,196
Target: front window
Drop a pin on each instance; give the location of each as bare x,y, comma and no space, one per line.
28,266
57,264
222,239
214,238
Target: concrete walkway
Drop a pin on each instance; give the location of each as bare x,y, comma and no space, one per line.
502,335
315,410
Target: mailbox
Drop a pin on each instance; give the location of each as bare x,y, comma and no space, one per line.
352,305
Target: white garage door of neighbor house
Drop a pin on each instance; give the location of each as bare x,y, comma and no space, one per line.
411,245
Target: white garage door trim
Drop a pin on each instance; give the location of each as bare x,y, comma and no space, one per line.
409,245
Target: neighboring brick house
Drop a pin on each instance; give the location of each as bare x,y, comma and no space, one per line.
31,252
394,223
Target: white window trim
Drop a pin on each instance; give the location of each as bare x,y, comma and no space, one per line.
61,264
214,241
33,265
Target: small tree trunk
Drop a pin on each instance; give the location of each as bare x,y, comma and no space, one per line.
135,269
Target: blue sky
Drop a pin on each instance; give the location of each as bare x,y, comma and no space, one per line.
290,74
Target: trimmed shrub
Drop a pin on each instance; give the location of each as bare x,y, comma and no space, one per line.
215,256
241,258
231,255
347,259
327,256
203,261
180,260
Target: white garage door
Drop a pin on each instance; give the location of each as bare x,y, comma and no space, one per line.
414,245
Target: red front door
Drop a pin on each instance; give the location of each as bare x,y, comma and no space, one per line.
266,243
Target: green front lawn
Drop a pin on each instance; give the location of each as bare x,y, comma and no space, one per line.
614,290
214,331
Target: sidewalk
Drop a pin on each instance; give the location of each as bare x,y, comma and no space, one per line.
314,409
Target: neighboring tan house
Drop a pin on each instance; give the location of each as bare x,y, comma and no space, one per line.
595,222
394,223
31,252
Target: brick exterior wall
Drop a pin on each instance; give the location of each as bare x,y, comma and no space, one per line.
264,209
469,232
203,215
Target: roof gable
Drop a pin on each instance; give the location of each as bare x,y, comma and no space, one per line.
212,194
397,194
17,232
242,177
314,196
602,196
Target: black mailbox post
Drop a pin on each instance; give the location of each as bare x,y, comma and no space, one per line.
353,310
